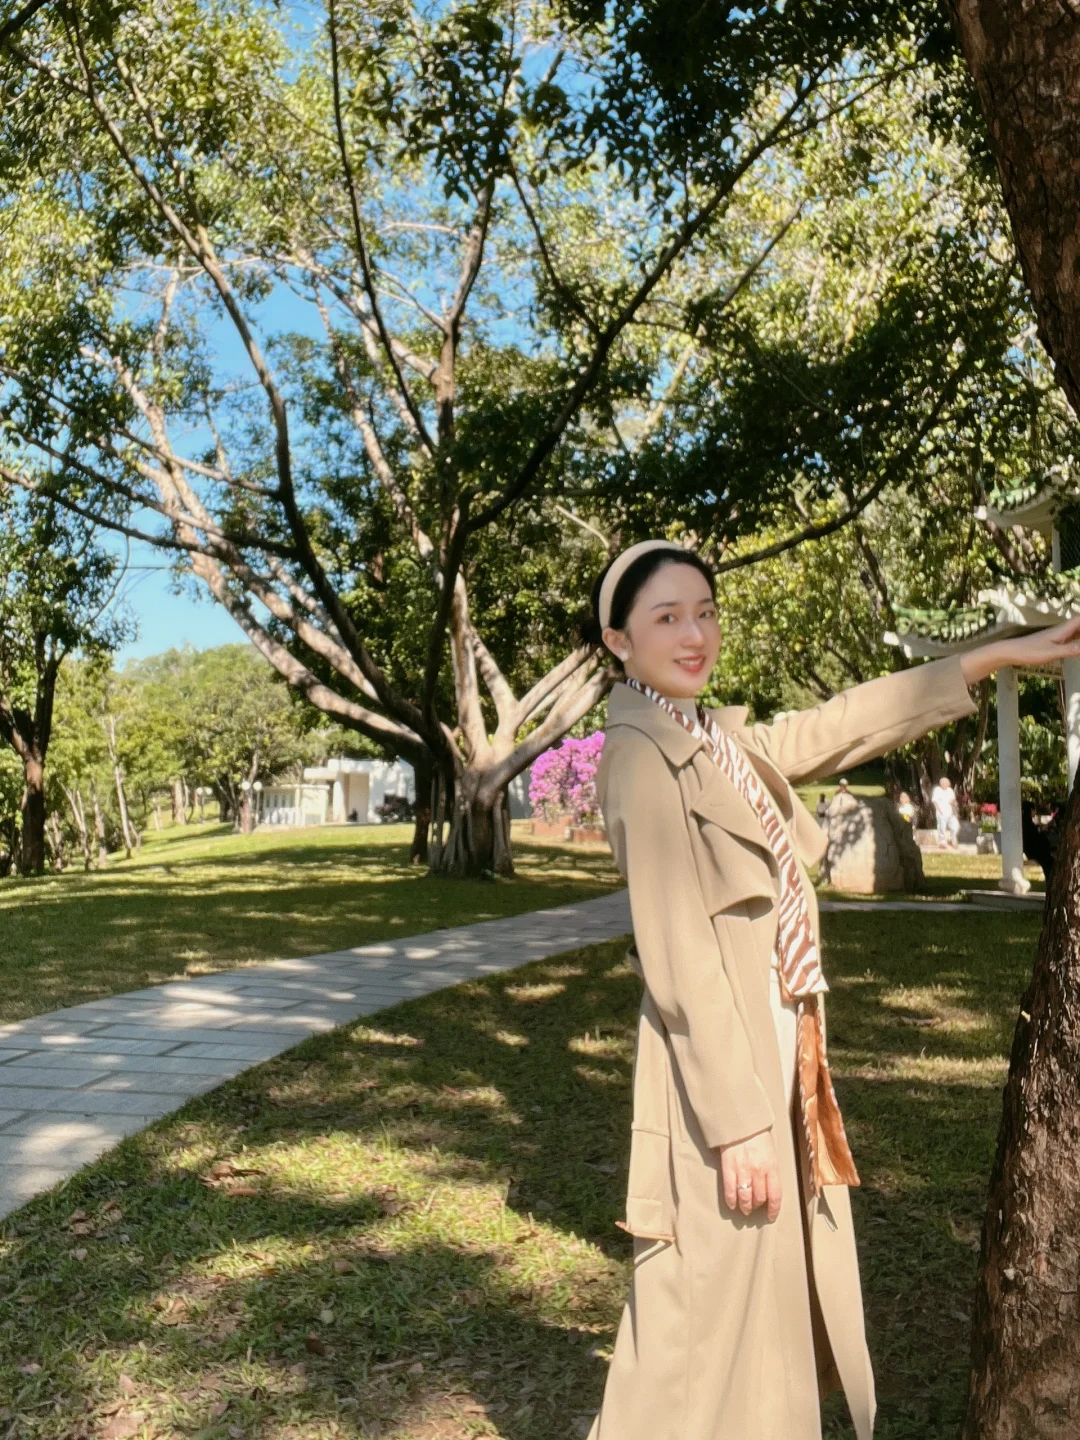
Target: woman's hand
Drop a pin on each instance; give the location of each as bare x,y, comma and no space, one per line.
1041,647
751,1174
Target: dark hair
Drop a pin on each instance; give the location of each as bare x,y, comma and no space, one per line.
631,583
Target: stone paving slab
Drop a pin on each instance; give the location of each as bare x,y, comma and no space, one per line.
74,1082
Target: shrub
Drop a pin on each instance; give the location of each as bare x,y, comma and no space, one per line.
563,781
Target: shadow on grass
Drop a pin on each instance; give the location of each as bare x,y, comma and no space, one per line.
409,1232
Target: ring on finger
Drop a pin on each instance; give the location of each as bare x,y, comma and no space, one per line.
748,1185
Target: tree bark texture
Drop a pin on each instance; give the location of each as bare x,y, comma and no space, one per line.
32,836
477,825
1025,1379
424,779
1024,56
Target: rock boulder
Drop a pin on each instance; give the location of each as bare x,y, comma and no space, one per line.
871,847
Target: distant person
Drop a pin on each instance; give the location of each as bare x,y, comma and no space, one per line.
906,808
943,799
821,809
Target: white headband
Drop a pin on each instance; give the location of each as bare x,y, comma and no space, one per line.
619,568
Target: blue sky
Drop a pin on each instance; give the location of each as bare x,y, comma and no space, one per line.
167,619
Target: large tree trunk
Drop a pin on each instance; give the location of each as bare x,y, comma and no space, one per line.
32,837
1025,1379
1025,58
477,825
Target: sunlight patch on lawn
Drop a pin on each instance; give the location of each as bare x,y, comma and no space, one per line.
524,993
937,1007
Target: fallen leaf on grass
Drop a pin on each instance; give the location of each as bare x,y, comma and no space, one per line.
239,1190
127,1385
218,1409
314,1345
225,1170
79,1254
30,1368
120,1427
344,1267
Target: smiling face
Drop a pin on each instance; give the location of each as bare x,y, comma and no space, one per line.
672,636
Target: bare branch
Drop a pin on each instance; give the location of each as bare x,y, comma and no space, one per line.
531,701
586,526
358,235
566,714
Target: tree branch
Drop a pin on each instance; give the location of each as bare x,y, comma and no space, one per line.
679,242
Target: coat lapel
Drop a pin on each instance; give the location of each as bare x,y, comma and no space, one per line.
717,800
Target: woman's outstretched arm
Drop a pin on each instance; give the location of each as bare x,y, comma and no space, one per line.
866,721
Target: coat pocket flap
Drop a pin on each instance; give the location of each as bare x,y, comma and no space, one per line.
650,1194
732,869
719,804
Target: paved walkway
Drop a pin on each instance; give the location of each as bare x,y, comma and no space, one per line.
76,1081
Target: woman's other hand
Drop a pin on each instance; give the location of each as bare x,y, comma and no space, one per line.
751,1175
1040,647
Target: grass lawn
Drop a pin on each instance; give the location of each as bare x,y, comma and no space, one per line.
947,875
200,898
405,1229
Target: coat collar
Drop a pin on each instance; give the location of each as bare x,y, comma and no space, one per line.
629,707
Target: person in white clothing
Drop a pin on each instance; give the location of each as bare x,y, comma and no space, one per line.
943,799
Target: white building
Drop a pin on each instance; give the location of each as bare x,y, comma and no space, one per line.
341,792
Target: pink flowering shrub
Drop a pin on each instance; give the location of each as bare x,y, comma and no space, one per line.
563,780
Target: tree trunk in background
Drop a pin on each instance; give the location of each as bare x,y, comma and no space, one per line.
424,779
1025,1379
179,802
478,829
99,826
32,838
1025,59
56,841
78,814
121,797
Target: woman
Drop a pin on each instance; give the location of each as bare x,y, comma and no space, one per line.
745,1303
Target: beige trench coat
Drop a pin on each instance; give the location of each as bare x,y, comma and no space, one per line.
733,1327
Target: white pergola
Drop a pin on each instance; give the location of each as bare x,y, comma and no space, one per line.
1016,611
